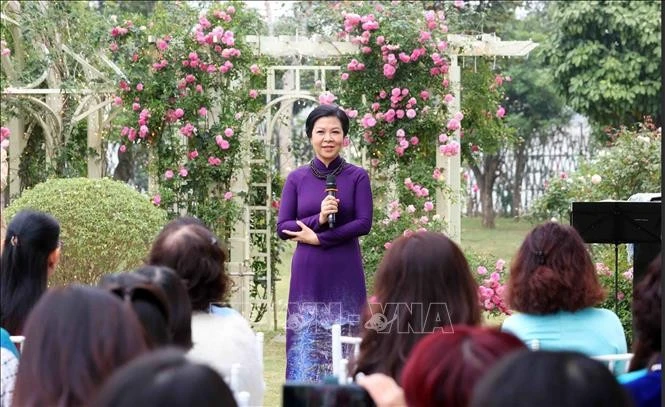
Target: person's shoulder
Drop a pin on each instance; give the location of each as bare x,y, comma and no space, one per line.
355,171
298,173
602,314
513,322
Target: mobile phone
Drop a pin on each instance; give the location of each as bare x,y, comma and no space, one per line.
298,394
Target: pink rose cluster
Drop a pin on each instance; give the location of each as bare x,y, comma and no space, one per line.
403,143
4,133
417,189
491,291
4,51
327,98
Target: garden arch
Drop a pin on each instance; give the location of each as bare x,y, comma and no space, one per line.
251,241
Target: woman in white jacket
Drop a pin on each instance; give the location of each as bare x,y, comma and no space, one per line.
221,336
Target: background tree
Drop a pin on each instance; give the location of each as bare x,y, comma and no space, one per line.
606,58
535,108
486,134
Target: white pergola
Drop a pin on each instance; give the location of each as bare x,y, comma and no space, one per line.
467,46
92,106
449,208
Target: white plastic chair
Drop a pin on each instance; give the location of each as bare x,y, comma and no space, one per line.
340,364
17,340
259,347
612,360
534,344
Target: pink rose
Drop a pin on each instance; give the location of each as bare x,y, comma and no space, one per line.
228,195
228,132
183,172
389,71
253,93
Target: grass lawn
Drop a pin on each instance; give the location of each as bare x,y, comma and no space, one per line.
501,242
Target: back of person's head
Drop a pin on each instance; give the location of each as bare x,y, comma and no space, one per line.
180,310
30,252
423,284
444,367
148,301
647,311
552,272
197,256
542,378
76,336
165,378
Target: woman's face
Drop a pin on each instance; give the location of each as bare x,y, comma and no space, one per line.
327,138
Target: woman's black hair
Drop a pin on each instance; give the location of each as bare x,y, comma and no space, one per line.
180,309
541,378
31,238
165,378
326,111
148,301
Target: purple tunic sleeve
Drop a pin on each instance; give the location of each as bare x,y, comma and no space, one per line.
288,206
362,222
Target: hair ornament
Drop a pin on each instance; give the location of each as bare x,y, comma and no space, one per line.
14,241
540,257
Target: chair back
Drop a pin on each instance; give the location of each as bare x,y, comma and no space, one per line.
617,363
340,364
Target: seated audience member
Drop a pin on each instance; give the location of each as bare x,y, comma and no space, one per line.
644,382
180,310
554,286
549,378
443,368
75,338
221,336
30,254
423,284
146,299
9,355
165,377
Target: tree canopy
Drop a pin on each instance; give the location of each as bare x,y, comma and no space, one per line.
606,59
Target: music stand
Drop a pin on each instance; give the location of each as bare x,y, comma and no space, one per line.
617,222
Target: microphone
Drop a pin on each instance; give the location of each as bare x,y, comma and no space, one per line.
331,189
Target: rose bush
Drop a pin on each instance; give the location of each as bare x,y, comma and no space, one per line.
629,164
397,90
184,97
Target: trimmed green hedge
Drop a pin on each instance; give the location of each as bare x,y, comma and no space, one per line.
106,226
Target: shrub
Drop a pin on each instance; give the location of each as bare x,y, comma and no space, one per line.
106,226
631,164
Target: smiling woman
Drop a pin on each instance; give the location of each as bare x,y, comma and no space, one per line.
327,279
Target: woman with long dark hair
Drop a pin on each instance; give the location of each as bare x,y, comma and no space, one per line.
75,338
423,285
30,254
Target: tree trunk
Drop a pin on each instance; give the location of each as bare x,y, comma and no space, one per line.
486,179
520,166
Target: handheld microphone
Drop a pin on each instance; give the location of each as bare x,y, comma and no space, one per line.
331,189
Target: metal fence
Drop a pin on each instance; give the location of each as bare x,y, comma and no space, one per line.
561,152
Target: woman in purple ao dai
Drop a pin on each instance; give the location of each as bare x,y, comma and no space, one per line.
327,278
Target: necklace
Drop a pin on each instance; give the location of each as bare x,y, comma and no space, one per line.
320,175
